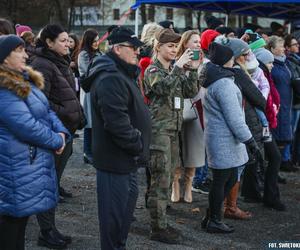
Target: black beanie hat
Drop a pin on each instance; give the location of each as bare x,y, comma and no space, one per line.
7,44
276,26
225,30
213,22
166,24
219,54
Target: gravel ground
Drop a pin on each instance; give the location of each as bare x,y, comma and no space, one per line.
78,217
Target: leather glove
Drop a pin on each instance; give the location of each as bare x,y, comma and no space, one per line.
252,146
254,152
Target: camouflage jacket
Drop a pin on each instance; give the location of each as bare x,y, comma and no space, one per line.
166,91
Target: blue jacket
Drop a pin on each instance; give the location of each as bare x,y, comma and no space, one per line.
28,139
282,79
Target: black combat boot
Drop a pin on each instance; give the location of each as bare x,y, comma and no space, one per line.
49,239
167,235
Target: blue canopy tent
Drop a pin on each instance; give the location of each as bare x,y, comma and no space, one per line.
282,9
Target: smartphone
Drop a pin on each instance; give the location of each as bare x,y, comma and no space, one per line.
196,55
252,36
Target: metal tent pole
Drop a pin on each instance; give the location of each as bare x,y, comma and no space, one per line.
136,27
226,20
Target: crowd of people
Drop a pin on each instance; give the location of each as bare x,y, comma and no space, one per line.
219,108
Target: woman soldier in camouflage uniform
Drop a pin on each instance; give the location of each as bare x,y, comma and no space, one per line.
166,86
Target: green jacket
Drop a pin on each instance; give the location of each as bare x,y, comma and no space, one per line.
166,90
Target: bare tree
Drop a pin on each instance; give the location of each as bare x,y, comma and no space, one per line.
143,14
188,16
151,13
198,15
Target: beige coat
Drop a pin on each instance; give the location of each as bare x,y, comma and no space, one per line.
193,150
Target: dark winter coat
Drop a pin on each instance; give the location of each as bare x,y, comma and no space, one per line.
59,87
28,138
121,121
273,98
253,98
293,62
282,79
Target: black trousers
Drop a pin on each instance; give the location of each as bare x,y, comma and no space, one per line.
46,219
62,160
223,181
271,189
250,187
117,195
12,232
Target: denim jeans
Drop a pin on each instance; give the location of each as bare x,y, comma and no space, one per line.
286,153
87,141
262,118
295,119
296,134
200,174
117,195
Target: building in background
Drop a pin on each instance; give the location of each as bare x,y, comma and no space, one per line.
77,15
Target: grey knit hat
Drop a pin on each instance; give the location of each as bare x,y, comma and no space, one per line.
238,46
264,55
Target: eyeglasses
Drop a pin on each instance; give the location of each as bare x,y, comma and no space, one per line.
246,54
129,46
295,44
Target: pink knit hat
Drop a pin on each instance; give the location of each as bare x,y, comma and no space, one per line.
20,29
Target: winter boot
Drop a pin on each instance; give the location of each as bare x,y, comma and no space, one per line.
215,225
231,210
167,235
175,196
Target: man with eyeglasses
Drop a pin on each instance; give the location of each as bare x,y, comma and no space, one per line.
121,134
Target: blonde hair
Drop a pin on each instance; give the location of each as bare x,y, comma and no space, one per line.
186,36
148,33
273,41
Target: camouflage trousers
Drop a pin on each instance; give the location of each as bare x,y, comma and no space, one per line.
163,162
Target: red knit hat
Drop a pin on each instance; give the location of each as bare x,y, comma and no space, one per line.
207,37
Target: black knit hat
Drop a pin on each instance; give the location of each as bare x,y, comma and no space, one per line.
219,54
213,22
122,34
276,26
166,24
7,44
225,30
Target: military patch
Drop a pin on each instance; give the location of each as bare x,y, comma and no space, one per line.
152,70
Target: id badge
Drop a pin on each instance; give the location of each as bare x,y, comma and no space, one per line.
177,103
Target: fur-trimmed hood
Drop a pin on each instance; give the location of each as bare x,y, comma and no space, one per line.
17,82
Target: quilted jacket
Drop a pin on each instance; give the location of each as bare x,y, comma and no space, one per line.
28,138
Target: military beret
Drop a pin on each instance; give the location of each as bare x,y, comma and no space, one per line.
167,36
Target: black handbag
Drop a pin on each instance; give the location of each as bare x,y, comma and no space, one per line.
83,120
